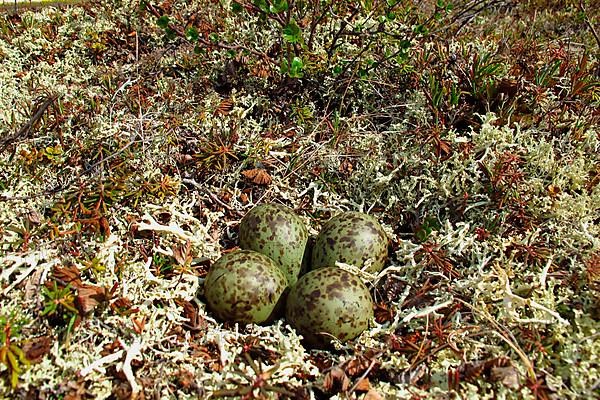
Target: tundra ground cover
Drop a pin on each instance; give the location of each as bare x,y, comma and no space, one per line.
135,135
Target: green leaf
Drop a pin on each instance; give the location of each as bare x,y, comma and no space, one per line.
278,6
429,225
454,95
20,354
12,361
296,69
214,37
421,29
405,44
236,7
192,34
292,32
14,379
262,5
163,22
171,34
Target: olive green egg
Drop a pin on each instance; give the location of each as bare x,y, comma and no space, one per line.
351,238
329,302
245,286
277,232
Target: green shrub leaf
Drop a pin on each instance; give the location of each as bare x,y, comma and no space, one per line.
292,32
163,22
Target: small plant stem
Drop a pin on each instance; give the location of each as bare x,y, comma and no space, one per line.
588,22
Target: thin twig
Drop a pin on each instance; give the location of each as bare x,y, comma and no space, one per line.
501,332
212,196
25,130
365,374
154,11
588,22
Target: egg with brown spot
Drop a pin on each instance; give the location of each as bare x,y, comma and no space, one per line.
245,286
329,302
351,238
277,232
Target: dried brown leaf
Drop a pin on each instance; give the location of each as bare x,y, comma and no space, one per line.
509,376
383,313
67,274
336,378
33,217
190,311
35,349
346,167
258,175
224,107
182,254
89,296
139,324
363,385
104,227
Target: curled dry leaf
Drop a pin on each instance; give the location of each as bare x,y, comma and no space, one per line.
190,311
89,296
138,324
358,365
336,378
183,254
258,175
224,107
67,274
383,313
33,217
36,348
104,226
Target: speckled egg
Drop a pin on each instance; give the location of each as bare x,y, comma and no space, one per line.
245,286
277,232
351,238
329,302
